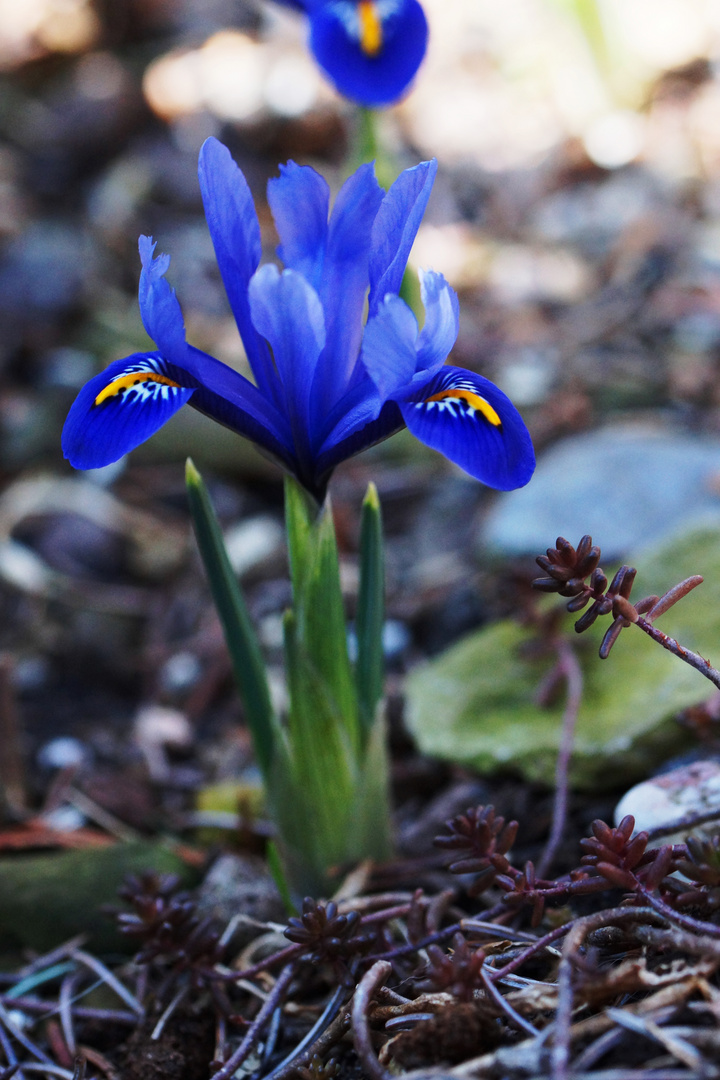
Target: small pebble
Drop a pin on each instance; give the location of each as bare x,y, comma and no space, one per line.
672,796
157,725
251,543
180,672
30,673
65,752
240,884
65,819
395,638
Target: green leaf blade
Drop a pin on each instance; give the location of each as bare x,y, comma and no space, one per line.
370,614
242,643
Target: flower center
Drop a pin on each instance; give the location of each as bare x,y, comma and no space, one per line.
371,35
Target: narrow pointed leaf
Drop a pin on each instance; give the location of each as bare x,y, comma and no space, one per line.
240,636
370,615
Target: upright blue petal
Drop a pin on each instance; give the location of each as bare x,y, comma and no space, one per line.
472,423
303,233
370,49
440,330
288,313
344,285
389,352
162,318
395,228
159,307
121,408
235,233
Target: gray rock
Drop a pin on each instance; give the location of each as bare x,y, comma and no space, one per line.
241,885
692,789
629,487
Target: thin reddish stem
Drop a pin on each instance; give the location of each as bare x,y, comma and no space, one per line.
572,673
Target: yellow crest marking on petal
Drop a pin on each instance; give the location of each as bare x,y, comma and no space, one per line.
473,400
125,381
371,36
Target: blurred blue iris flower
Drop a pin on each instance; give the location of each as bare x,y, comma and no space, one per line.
326,386
370,49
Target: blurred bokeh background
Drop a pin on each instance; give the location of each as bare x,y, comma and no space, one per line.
576,211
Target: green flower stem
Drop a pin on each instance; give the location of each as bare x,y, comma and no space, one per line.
325,768
331,795
318,603
368,144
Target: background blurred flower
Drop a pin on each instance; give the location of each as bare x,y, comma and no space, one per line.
370,49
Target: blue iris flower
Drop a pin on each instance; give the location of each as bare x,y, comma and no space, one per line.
370,49
326,386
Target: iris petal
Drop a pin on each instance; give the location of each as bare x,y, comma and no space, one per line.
440,330
159,306
369,422
303,235
344,284
232,400
373,68
226,395
388,350
121,408
356,408
472,423
288,313
235,233
395,228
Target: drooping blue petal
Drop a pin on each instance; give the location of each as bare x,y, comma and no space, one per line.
228,397
344,285
370,49
472,423
121,408
440,330
389,346
299,199
395,228
129,401
235,233
288,313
